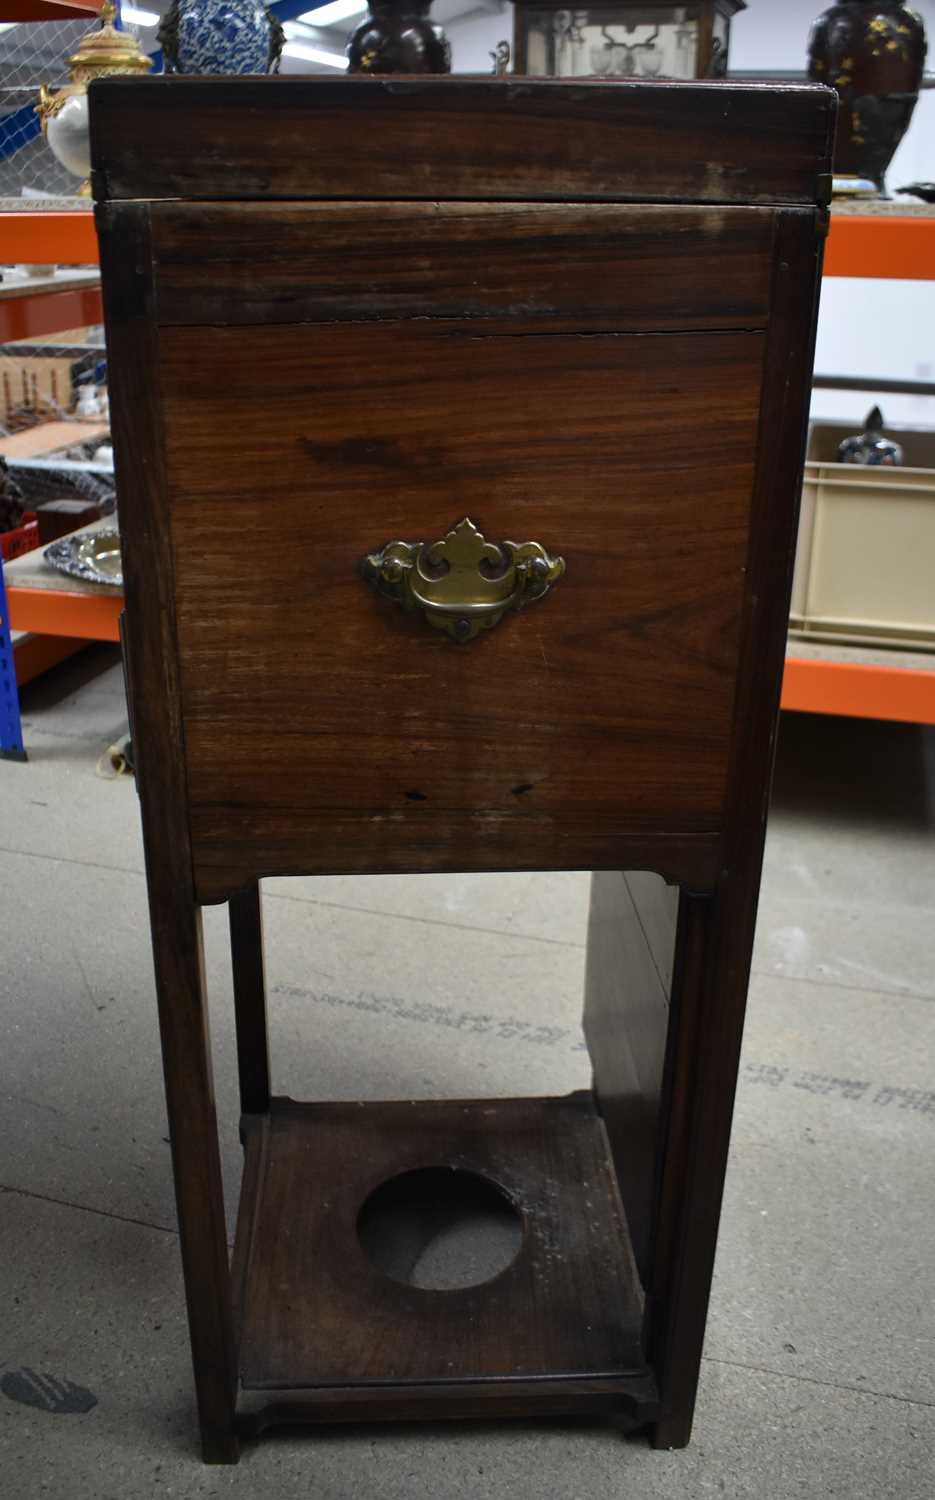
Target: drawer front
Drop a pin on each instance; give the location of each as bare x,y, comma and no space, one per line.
579,265
327,729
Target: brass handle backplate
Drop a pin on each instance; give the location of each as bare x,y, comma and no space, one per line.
463,584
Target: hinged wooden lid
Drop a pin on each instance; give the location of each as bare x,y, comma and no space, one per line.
461,138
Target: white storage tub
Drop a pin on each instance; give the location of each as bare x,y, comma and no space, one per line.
865,565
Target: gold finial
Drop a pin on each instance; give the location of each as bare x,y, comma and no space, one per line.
107,50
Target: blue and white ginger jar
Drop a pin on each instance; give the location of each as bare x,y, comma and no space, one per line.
220,36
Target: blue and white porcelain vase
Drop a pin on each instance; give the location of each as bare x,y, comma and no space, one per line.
220,36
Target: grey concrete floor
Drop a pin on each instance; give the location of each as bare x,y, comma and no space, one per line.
819,1375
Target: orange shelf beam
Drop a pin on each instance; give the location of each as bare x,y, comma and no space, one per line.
48,239
858,691
48,10
36,314
858,245
35,654
92,617
899,249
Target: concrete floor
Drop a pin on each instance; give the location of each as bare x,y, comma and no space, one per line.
819,1376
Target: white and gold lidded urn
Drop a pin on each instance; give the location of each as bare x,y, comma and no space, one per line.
64,112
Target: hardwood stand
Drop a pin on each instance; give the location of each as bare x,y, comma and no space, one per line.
517,377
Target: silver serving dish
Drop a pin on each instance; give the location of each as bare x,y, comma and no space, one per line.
94,557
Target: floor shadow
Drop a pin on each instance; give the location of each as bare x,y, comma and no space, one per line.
855,770
68,677
622,1434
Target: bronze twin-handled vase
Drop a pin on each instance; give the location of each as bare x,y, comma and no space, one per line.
398,37
873,53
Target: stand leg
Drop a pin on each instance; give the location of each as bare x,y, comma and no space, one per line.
246,929
155,702
183,1019
709,995
664,1035
631,940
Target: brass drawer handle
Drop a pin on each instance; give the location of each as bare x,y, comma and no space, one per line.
451,583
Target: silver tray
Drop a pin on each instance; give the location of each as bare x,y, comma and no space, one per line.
94,557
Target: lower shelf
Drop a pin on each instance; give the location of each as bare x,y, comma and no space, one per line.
326,1334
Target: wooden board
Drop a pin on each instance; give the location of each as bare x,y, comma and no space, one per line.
150,666
17,285
49,437
476,138
317,1312
327,730
587,266
631,951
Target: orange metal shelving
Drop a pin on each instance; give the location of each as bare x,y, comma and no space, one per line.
897,248
859,690
880,246
48,10
58,621
33,315
884,246
55,238
90,617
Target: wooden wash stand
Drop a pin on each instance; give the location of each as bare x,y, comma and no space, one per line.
518,372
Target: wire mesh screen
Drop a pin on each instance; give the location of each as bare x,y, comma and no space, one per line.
51,386
49,379
30,55
54,420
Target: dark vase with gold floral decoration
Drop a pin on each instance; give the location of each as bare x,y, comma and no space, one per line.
398,37
873,53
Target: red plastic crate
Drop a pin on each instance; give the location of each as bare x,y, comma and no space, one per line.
21,539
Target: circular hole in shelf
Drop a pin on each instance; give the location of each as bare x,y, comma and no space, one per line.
440,1228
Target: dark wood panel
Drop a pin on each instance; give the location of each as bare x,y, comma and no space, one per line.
459,138
318,1312
246,935
626,1021
151,658
707,1045
254,1137
299,841
657,907
599,264
682,1172
598,715
626,1400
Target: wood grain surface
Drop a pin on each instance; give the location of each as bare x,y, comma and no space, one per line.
706,1039
453,138
328,731
317,1312
631,948
152,664
297,384
600,266
626,1401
